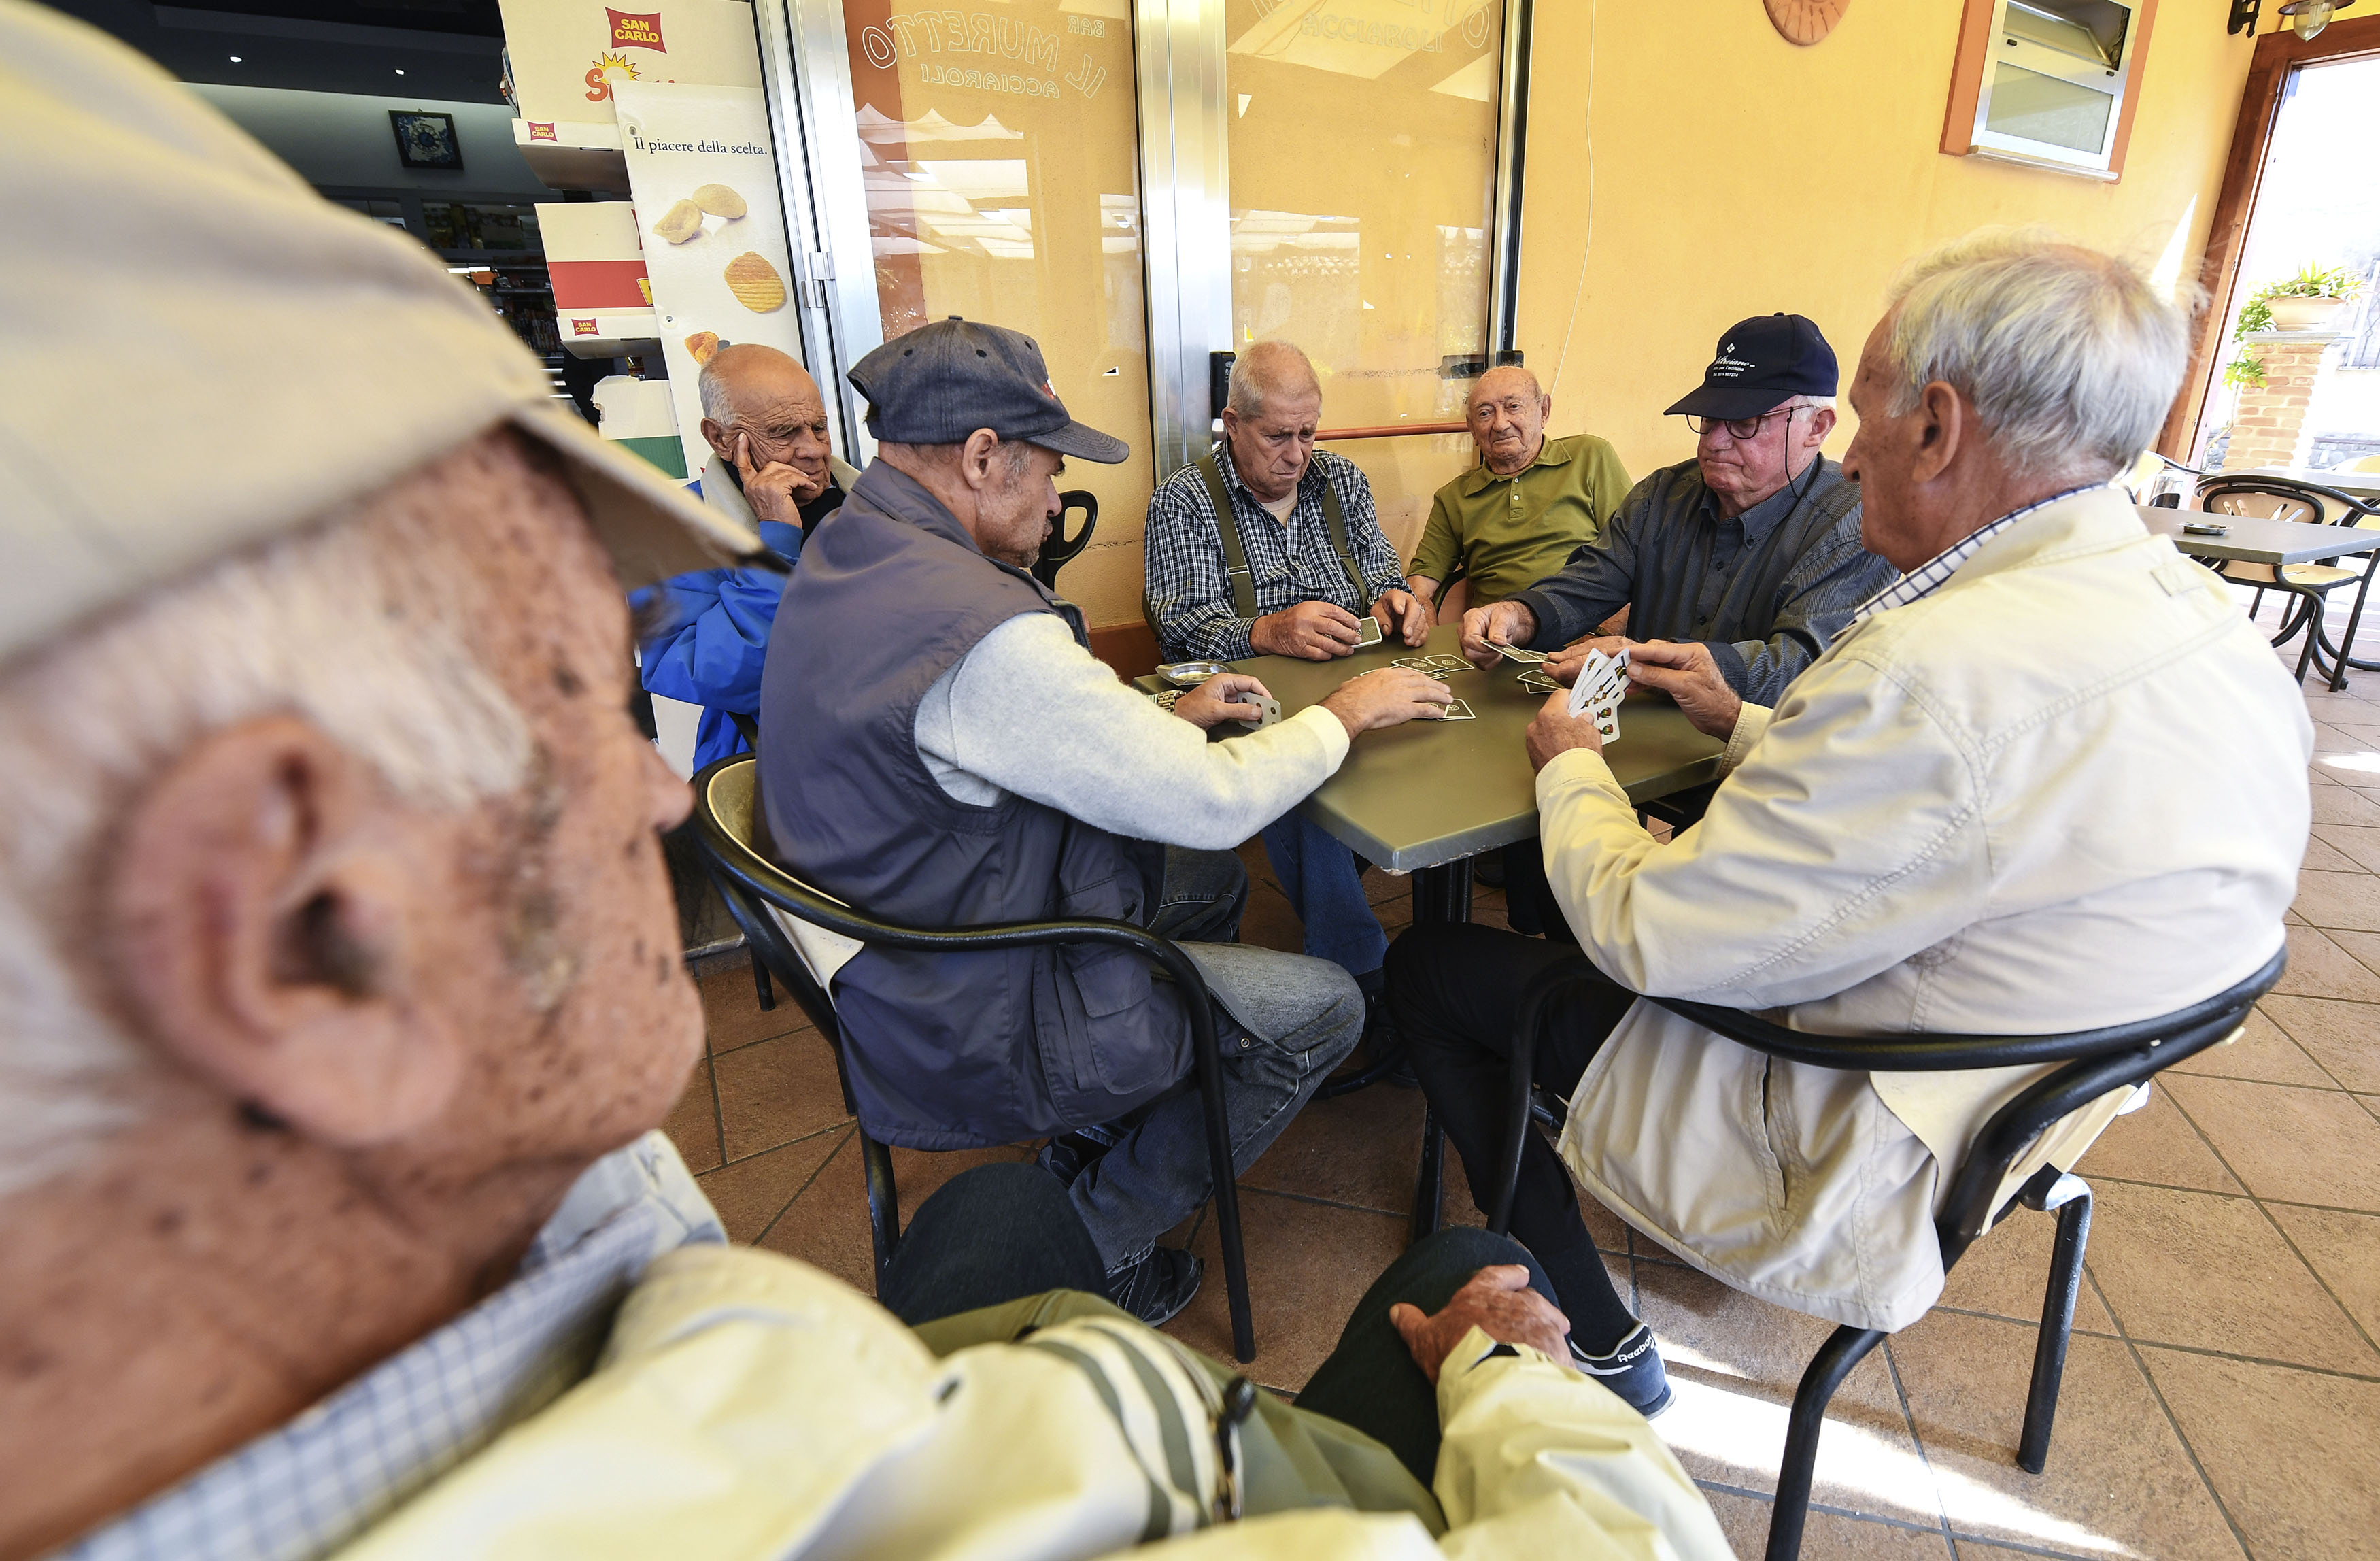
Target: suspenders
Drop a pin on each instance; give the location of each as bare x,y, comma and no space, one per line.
1235,555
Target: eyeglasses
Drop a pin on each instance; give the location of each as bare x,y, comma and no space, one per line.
1739,429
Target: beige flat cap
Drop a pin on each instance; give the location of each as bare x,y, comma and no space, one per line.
197,352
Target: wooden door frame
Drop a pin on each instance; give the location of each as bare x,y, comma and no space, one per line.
2243,174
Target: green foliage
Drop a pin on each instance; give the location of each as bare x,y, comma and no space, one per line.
2311,282
2243,372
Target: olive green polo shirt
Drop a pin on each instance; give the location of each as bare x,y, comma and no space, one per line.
1511,532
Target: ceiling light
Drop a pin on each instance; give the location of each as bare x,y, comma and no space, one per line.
2308,17
235,59
400,73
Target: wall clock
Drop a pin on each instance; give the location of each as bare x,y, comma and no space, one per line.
1806,22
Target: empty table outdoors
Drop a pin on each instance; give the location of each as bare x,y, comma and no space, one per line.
2252,540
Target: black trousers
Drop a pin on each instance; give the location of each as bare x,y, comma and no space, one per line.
999,1233
1455,991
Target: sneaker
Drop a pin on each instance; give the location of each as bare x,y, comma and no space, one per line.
1161,1284
1633,1369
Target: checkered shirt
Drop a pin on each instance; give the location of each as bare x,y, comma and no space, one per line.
1935,572
314,1485
1189,593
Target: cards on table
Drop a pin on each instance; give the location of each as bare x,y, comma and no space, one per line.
1539,683
1367,630
1456,710
1602,684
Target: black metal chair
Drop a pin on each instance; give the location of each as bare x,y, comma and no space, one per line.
2097,1062
2284,498
1057,549
727,815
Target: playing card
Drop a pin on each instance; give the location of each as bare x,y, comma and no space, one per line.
1165,699
1539,683
1367,630
1447,664
1266,704
1514,653
1590,674
1457,711
1419,663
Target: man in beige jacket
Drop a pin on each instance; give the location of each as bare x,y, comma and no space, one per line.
2051,779
340,992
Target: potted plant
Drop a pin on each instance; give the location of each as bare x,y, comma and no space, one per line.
2306,301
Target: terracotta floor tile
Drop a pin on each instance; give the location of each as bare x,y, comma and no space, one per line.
2345,1249
774,1091
2339,899
693,1123
2323,856
2292,1453
751,1193
1362,1149
2157,1144
2317,775
731,1011
1734,1363
2343,803
1826,1536
2118,1482
2330,736
2359,843
2211,1273
2301,1146
2262,1051
2321,964
827,1225
2343,1037
1308,1264
2007,1272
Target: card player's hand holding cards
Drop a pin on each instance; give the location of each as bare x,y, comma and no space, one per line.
1602,682
1229,696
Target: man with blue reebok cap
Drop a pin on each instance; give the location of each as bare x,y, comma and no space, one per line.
938,746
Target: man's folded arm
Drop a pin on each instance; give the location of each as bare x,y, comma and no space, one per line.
1834,852
1536,1460
1033,713
714,638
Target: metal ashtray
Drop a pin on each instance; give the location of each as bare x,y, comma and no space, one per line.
1190,673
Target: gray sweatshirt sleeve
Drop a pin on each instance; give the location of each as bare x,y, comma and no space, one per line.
1028,711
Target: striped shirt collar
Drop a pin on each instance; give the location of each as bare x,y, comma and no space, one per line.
1935,572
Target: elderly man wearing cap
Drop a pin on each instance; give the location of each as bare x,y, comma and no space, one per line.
1980,810
338,990
772,472
938,745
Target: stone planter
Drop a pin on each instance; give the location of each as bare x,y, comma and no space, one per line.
2303,314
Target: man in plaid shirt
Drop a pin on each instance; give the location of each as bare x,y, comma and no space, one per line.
1315,560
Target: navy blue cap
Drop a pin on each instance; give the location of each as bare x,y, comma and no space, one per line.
1761,361
941,382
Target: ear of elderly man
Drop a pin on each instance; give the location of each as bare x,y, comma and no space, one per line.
773,470
340,994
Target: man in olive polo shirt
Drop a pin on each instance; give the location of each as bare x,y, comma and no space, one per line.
1516,517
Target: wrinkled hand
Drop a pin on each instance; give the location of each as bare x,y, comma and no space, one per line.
1484,628
776,492
1390,695
1311,632
1686,673
1499,1302
1564,665
1556,730
1218,700
1401,613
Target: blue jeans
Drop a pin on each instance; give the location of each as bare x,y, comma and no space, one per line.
1326,888
1282,1022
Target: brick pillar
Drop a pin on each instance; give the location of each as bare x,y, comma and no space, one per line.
2270,428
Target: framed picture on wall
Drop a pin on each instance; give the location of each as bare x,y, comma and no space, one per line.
426,139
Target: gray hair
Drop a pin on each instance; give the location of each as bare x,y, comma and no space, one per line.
1265,368
362,627
2071,361
718,401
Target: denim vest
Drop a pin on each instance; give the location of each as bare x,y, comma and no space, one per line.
947,1051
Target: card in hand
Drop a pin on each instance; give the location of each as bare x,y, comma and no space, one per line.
1367,630
1514,653
1456,710
1267,707
1590,673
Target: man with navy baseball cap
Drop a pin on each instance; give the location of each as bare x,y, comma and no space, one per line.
938,746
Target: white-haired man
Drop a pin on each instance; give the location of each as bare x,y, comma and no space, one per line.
339,987
1267,547
773,472
1981,810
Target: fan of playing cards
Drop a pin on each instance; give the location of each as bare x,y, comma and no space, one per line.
1602,682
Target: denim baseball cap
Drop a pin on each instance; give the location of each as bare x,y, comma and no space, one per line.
941,382
1761,361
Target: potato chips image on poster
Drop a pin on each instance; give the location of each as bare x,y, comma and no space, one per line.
702,346
755,283
720,201
680,223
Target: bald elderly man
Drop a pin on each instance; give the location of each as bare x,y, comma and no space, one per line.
771,470
339,991
1516,517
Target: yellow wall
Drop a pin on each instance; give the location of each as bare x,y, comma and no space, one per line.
1727,171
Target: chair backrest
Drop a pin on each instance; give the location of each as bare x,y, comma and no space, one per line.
2267,498
1057,549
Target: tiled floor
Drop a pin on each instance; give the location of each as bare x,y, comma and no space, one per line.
2223,1395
